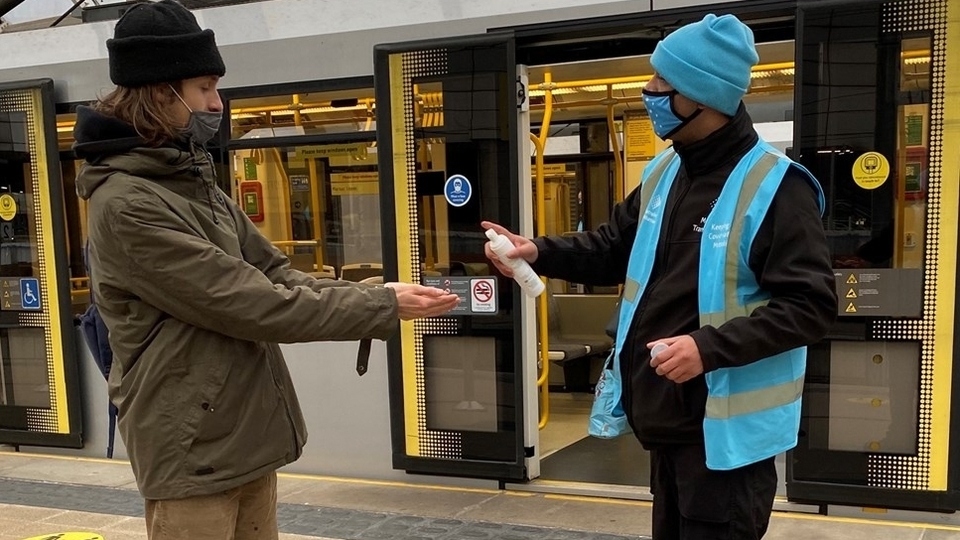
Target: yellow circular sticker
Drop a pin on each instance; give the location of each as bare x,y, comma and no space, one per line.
871,170
67,536
8,207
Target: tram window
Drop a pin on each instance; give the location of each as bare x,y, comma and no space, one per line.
311,113
319,204
873,162
75,212
17,237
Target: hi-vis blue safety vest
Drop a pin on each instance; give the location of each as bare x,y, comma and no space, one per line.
752,412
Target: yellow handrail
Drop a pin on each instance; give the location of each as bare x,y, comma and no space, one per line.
543,382
315,196
615,143
290,243
543,334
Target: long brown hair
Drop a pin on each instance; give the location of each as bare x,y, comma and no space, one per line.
147,109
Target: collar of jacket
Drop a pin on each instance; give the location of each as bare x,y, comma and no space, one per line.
728,143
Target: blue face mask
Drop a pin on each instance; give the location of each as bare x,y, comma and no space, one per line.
666,121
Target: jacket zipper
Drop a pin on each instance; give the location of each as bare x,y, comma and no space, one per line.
659,261
211,191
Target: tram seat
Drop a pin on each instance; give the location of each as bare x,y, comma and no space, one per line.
360,271
577,325
325,274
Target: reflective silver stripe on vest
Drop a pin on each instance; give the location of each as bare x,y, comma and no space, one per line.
731,304
765,398
754,401
718,318
631,287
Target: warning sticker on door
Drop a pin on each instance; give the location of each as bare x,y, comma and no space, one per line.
483,295
478,295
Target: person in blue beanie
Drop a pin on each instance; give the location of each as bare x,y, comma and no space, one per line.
726,271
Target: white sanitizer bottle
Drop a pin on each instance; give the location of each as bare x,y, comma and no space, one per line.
528,280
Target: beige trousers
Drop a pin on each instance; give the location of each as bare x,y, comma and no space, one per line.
248,512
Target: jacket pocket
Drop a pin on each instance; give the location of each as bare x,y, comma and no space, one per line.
219,416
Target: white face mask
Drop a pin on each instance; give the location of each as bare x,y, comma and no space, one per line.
202,125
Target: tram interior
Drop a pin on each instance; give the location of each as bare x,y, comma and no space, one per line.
319,203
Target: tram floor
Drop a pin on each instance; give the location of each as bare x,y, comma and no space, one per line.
570,455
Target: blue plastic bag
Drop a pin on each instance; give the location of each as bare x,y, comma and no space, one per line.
607,417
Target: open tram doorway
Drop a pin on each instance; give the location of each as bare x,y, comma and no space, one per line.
596,136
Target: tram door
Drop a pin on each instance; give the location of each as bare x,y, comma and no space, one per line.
451,138
877,125
39,387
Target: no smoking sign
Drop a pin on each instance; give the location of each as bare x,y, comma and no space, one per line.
478,294
483,295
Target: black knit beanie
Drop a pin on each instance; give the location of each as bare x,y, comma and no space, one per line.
158,42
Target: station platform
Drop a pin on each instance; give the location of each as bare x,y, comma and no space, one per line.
49,495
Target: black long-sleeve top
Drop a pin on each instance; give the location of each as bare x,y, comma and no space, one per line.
789,257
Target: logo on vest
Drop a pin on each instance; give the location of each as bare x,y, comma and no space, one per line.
698,227
650,216
719,234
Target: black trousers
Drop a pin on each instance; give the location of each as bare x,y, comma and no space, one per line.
691,502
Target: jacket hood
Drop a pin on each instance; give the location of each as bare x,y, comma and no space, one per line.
112,146
99,135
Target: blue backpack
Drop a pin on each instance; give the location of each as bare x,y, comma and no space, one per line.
96,335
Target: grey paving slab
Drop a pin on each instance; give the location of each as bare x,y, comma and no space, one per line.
52,504
934,534
433,501
591,513
66,470
791,529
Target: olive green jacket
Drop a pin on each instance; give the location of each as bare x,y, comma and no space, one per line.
196,301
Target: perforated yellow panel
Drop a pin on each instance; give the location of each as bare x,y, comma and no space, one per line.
421,441
55,418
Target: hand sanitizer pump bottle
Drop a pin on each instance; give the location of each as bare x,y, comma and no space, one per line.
528,280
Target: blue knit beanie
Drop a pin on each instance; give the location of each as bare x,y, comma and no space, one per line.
709,61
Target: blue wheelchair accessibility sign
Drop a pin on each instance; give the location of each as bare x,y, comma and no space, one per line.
29,293
457,190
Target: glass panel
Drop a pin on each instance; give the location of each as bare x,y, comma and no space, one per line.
311,113
461,383
76,214
874,397
24,379
319,204
18,237
912,154
879,223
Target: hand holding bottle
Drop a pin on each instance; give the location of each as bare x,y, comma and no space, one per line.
524,249
508,257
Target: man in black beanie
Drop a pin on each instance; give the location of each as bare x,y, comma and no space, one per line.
195,299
